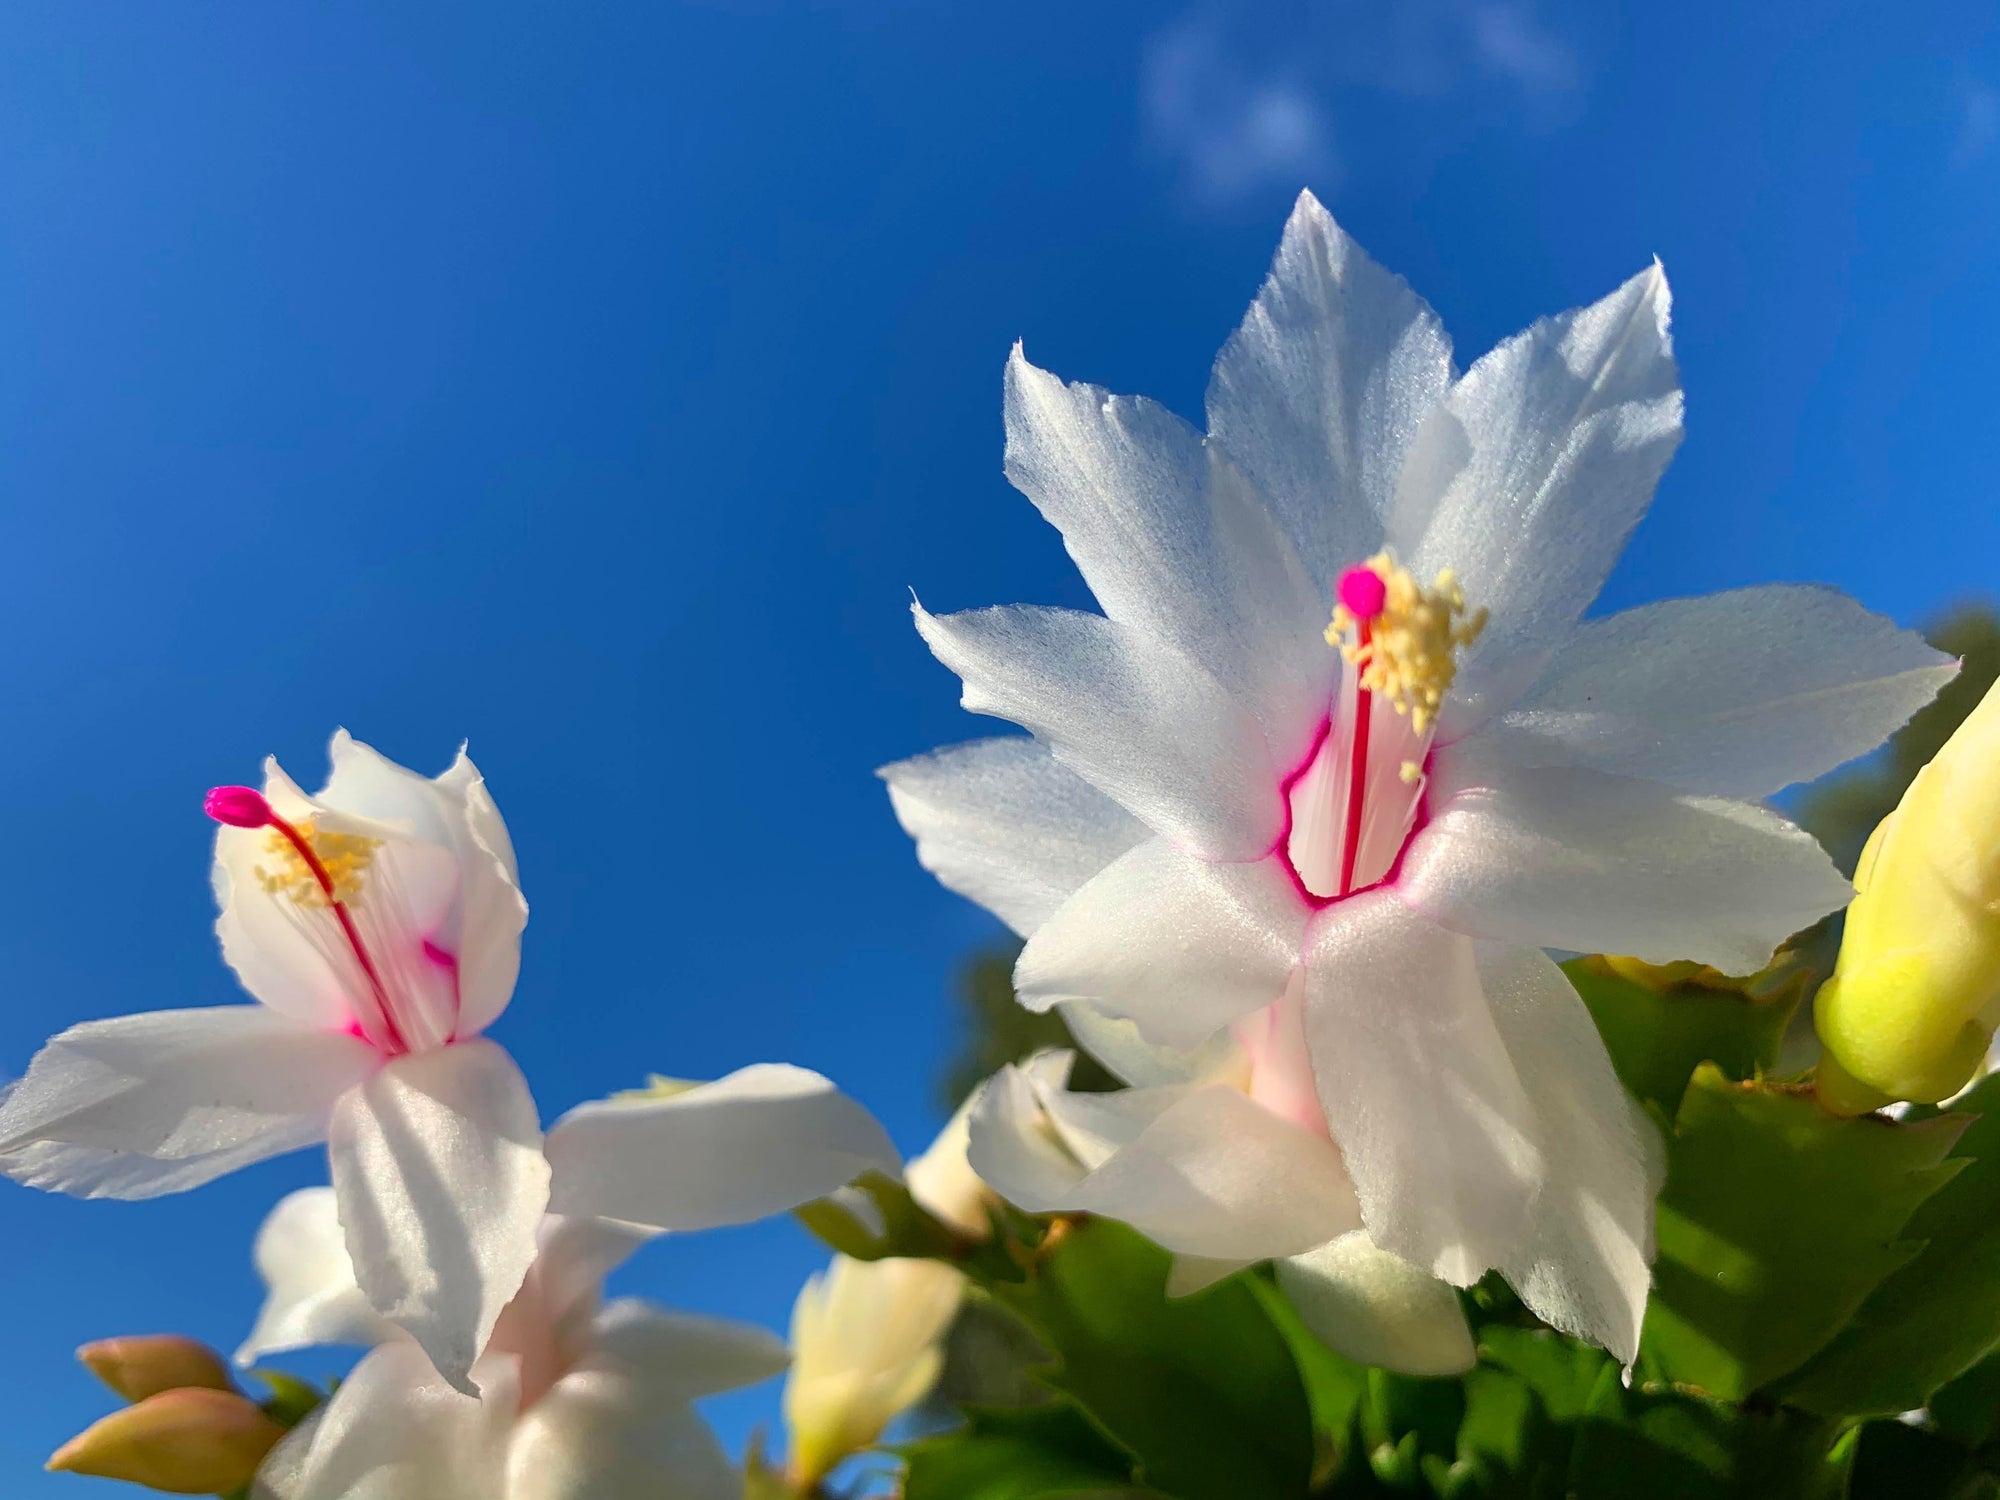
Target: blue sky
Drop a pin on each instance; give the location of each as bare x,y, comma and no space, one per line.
594,382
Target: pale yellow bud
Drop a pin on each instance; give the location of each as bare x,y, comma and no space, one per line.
143,1365
867,1344
189,1441
1915,995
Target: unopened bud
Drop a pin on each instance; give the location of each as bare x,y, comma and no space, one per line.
183,1442
1915,995
146,1364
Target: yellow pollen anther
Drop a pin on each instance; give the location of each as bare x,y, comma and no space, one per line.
1411,654
345,855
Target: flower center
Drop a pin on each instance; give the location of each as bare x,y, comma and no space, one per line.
403,993
1359,795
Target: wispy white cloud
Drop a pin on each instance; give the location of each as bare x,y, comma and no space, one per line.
1228,128
1978,123
1236,108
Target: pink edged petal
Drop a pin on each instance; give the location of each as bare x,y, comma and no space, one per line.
677,1356
759,1142
1001,823
396,1431
442,1184
138,1106
1566,429
1137,718
1586,1265
312,1296
456,814
1377,1309
599,1433
1179,946
1319,392
1567,858
1419,1090
1737,694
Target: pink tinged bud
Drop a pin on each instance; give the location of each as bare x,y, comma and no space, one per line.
1363,593
239,807
184,1442
146,1364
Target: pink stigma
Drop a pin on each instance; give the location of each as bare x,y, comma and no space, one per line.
1363,593
239,807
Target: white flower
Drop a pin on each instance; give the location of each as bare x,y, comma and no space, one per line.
582,1398
1223,1158
379,925
1220,803
868,1336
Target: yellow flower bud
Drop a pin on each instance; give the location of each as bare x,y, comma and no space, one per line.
1915,995
189,1441
143,1365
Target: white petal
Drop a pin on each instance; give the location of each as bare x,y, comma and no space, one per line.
1120,1046
1574,859
575,1257
942,1181
1190,1274
679,1356
1175,542
454,812
1001,823
442,1185
1140,720
1319,392
1585,1267
495,911
1179,945
1377,1309
759,1142
312,1296
1737,694
1122,478
1011,1144
1418,1088
597,1434
1210,1175
143,1105
1568,428
394,1431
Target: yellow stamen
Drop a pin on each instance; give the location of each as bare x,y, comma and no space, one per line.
1410,655
345,855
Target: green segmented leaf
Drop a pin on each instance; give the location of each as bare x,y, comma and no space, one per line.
1777,1222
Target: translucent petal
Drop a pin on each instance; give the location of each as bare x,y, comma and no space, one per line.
1575,859
598,1434
1430,1115
1567,428
442,1184
311,1295
1318,394
1141,721
759,1142
1585,1266
1738,694
1179,945
1001,823
1377,1309
138,1106
1209,1174
395,1431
